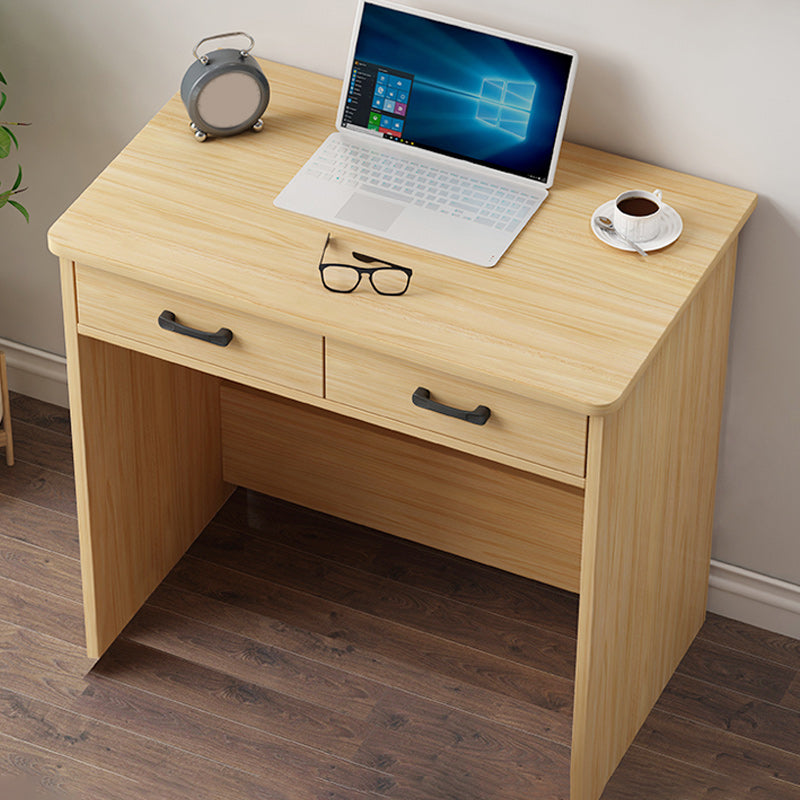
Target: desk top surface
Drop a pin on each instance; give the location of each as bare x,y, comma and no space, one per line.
562,318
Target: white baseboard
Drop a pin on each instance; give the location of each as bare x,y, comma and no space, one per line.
754,598
733,592
36,373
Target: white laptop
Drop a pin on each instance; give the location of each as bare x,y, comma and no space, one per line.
447,134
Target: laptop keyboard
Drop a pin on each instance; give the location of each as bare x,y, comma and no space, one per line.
434,188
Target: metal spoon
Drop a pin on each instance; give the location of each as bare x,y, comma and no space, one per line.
606,224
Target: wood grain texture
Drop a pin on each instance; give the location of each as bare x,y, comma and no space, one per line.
39,486
110,749
528,646
35,566
42,527
135,523
716,748
408,563
443,671
737,635
651,476
562,318
280,355
34,607
528,430
224,740
406,487
760,679
43,448
45,416
6,437
767,723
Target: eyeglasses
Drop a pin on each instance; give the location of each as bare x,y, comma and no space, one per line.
391,279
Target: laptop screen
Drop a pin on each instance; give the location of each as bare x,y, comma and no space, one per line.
466,93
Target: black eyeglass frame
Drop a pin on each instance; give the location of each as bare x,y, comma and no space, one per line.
370,271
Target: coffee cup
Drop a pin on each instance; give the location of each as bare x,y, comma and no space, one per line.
637,214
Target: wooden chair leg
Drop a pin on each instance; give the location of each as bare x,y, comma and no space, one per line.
5,422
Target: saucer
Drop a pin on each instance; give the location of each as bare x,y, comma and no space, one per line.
670,230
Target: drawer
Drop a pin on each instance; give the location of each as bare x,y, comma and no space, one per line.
259,349
517,426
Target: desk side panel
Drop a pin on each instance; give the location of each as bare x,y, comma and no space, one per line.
651,478
148,469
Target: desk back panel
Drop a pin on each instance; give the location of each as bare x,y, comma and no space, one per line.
404,486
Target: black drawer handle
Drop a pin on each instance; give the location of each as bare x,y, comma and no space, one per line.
422,398
222,337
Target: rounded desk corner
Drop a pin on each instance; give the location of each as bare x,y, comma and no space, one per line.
607,404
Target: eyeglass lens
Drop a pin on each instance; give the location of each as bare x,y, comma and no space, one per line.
389,281
340,278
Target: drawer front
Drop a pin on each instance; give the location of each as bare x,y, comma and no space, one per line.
517,426
259,348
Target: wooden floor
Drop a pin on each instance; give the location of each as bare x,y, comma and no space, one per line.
292,655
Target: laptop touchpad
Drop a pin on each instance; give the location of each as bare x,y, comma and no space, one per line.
370,211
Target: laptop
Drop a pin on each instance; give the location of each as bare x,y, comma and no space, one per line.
447,134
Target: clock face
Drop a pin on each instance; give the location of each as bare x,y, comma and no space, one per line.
229,99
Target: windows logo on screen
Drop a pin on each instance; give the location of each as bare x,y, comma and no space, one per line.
506,105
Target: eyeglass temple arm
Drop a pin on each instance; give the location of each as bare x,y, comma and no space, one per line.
324,248
372,260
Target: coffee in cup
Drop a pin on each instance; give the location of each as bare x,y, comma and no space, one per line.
637,214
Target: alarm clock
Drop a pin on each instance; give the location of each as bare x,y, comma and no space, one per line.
224,91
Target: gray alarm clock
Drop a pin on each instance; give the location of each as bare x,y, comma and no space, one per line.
224,91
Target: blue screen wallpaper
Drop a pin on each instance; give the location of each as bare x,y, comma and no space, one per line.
473,95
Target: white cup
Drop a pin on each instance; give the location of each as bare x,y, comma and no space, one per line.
637,227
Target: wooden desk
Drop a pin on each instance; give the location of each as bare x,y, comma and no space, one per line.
604,373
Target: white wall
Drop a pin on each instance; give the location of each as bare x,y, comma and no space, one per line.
702,86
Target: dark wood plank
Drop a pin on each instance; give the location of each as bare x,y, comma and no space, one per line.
732,711
41,527
646,774
41,568
43,447
792,697
39,486
110,748
429,726
407,562
263,664
41,666
40,773
226,696
391,601
717,750
734,669
447,672
40,413
255,751
448,742
43,612
756,641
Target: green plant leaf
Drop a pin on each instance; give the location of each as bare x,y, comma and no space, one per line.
5,142
2,79
12,135
4,197
21,208
2,100
18,181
